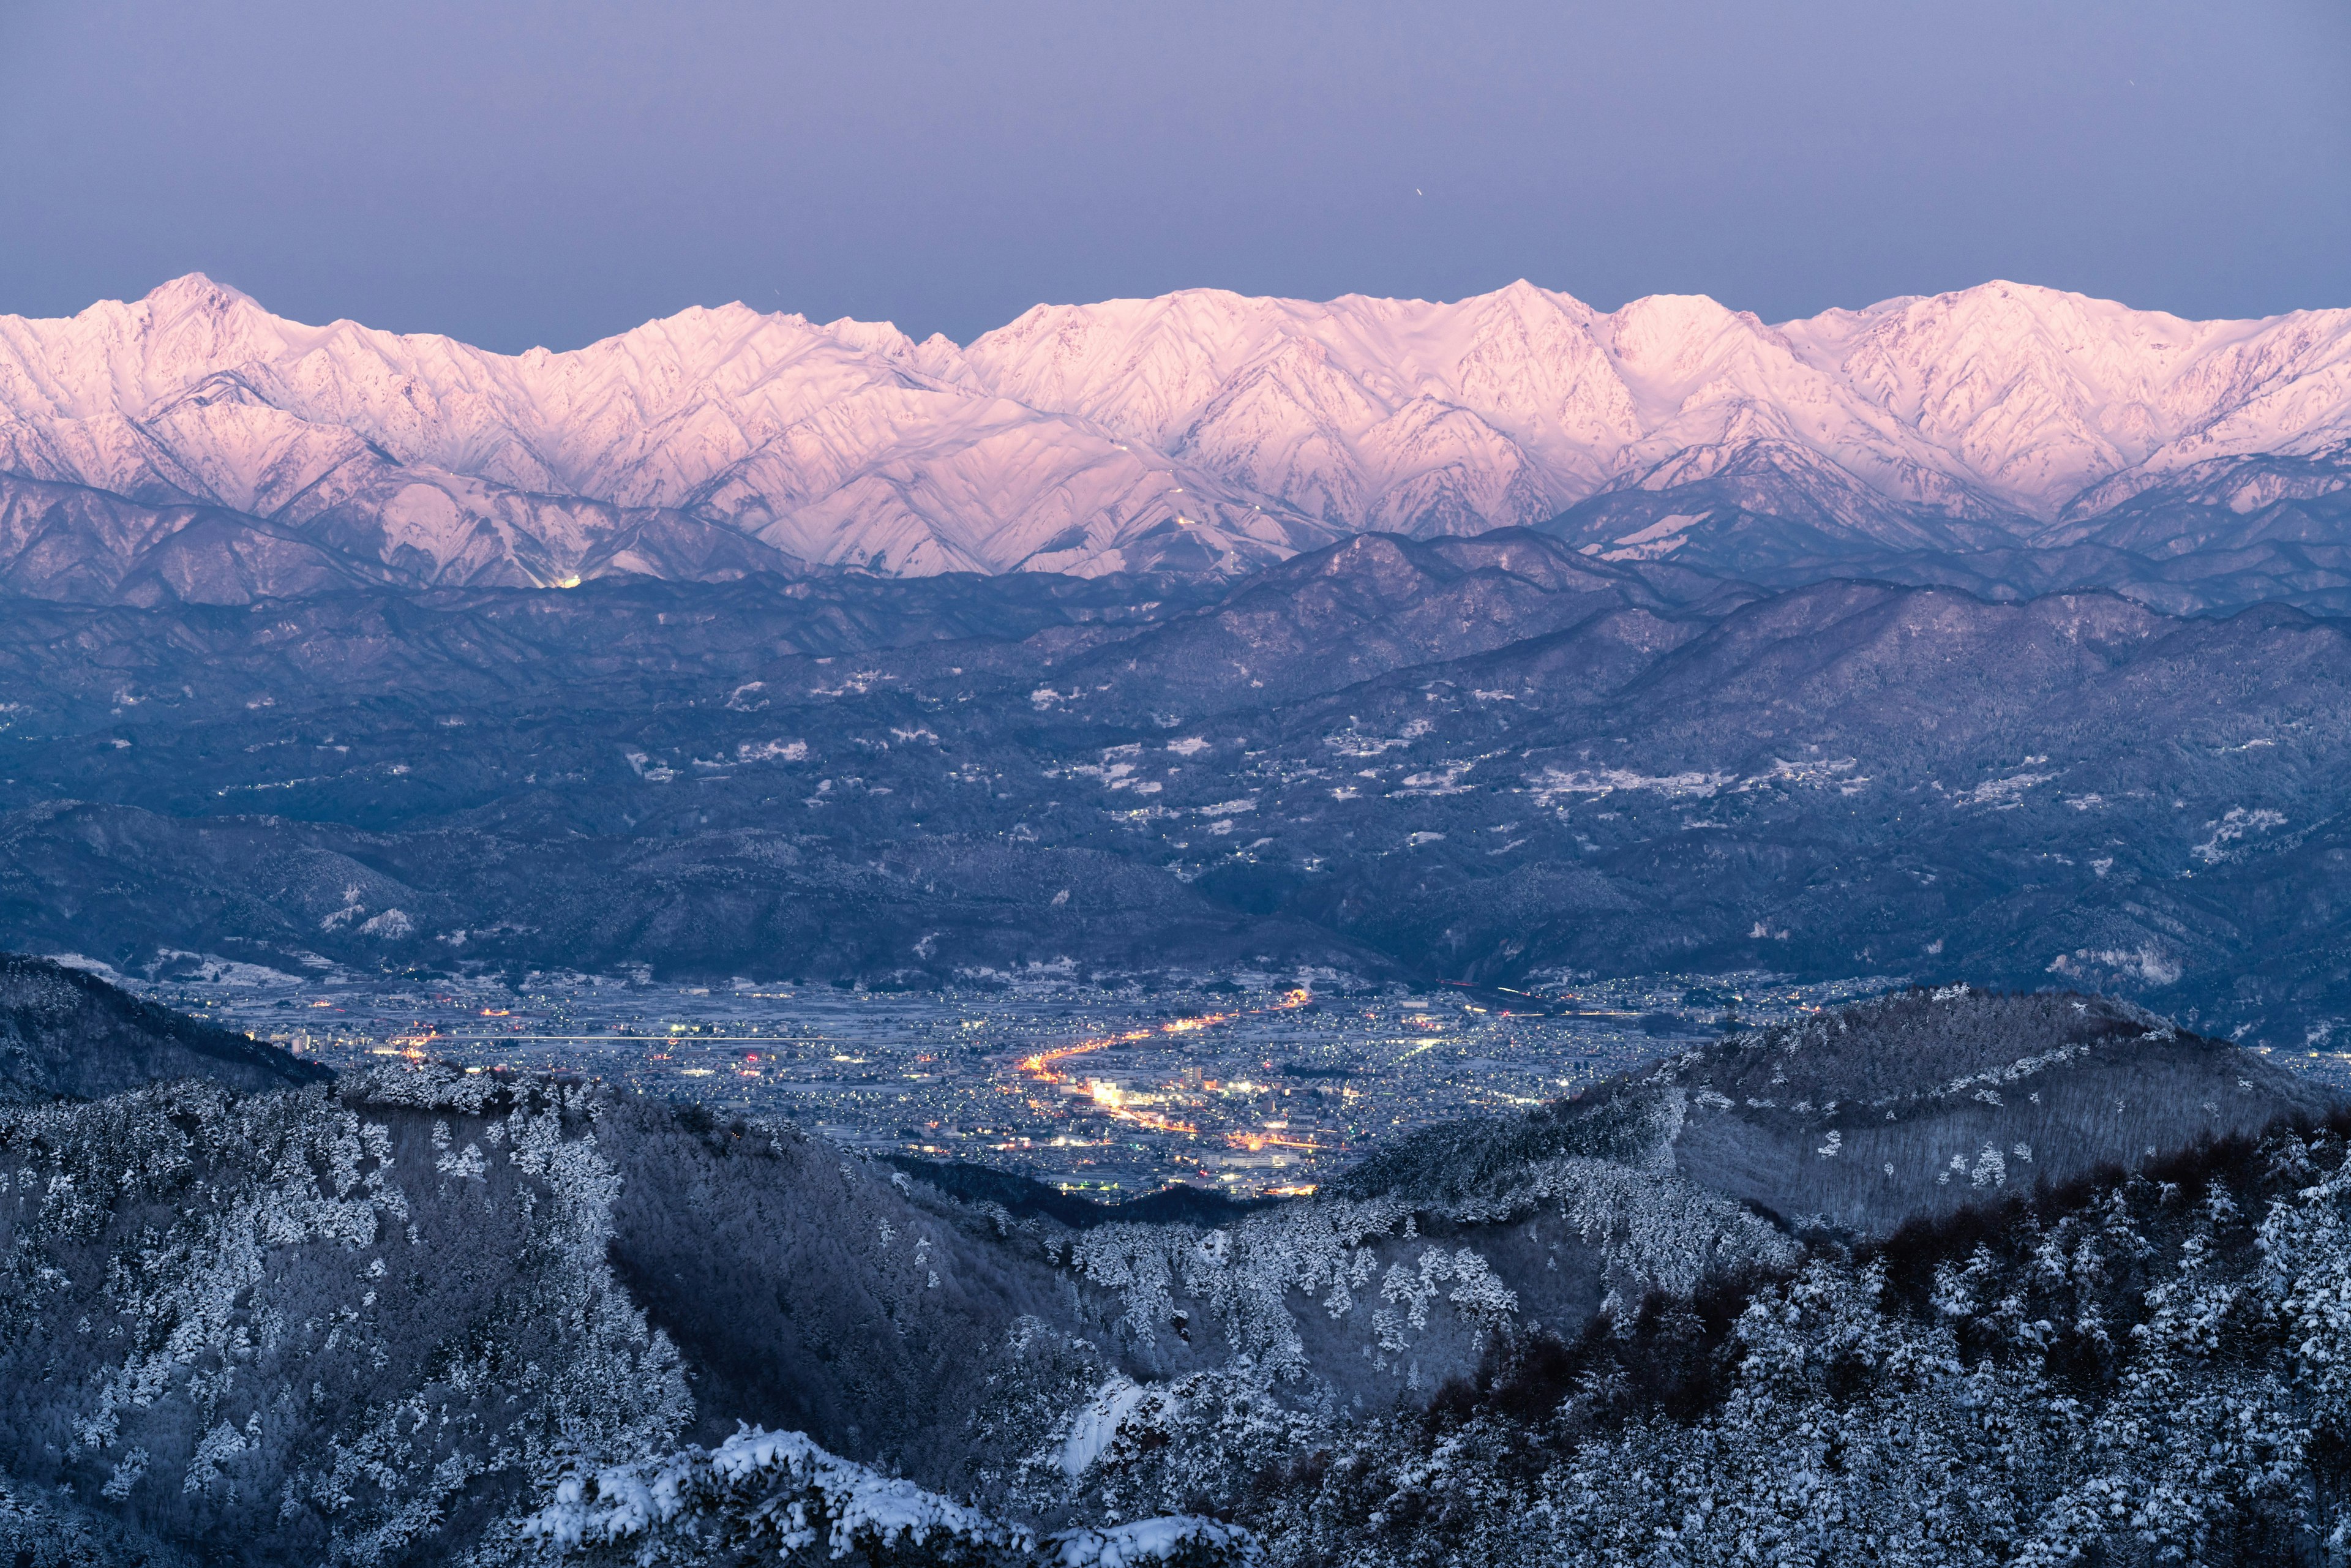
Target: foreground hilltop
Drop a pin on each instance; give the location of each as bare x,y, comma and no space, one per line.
427,1317
1920,1103
1908,1107
65,1033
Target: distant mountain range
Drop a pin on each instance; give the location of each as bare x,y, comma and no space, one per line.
1177,632
2014,440
1495,761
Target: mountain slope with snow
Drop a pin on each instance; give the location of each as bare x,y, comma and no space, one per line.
191,446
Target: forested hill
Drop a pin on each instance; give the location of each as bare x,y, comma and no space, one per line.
2136,1371
1494,759
423,1317
1865,1118
67,1033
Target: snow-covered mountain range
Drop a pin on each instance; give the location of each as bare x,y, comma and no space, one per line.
191,446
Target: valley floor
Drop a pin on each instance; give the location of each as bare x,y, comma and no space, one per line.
1248,1084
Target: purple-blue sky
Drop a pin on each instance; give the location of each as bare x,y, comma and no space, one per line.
517,173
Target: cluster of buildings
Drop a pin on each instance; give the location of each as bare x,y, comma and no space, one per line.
1251,1086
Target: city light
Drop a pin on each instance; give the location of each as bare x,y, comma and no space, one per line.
1085,1088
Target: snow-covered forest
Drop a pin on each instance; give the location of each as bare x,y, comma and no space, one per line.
430,1316
2141,1370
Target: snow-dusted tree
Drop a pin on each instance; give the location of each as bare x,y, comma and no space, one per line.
775,1497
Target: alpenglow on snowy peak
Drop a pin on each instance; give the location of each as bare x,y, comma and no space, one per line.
191,446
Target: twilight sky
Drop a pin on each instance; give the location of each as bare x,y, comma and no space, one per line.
513,173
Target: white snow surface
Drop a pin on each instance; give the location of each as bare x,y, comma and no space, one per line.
1095,1423
779,1494
1202,429
848,1504
1146,1540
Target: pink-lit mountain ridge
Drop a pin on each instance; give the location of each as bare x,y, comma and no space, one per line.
191,446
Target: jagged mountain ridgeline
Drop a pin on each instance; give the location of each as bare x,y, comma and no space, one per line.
192,447
1776,1286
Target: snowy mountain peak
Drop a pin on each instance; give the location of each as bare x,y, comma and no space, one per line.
193,293
1199,431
